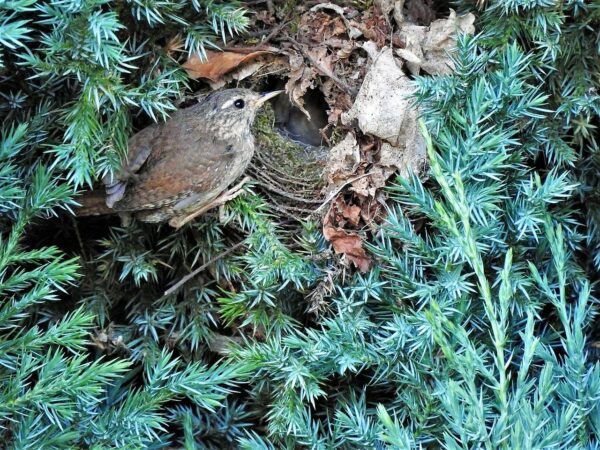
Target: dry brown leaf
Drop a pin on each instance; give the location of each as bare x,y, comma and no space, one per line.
351,213
367,187
383,108
324,61
272,64
353,33
373,209
346,242
333,115
374,26
337,100
218,64
349,244
363,187
345,47
317,26
303,72
265,17
344,214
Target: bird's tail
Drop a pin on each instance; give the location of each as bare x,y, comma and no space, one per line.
93,203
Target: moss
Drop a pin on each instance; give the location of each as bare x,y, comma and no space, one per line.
362,4
299,161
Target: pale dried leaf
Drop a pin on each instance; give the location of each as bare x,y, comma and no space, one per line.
441,40
400,159
431,45
413,36
343,160
250,69
398,15
385,6
300,80
409,57
383,108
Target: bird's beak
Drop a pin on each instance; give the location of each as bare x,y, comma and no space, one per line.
266,96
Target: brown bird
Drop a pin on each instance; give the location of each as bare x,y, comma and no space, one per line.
179,169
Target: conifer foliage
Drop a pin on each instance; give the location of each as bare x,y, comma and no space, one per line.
72,74
472,330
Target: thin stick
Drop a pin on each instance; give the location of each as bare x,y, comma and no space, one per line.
282,175
275,32
278,183
79,238
287,195
338,190
326,72
191,275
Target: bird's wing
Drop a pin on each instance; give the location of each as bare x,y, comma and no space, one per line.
180,158
140,147
149,143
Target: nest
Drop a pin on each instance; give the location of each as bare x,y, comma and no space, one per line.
362,60
288,173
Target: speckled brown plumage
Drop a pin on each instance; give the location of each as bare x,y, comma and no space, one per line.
180,166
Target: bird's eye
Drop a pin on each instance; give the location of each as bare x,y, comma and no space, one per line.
239,103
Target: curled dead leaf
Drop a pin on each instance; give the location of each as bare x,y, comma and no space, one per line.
300,80
383,107
353,32
218,64
351,213
349,244
427,48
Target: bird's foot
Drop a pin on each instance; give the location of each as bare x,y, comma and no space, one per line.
178,222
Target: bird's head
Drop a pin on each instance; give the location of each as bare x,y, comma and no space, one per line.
235,107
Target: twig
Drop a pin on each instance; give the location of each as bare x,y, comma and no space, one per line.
283,176
338,190
275,32
247,50
270,35
191,275
291,187
284,210
328,73
282,193
280,183
79,238
257,173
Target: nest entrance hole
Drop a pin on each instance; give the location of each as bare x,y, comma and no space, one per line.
290,157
